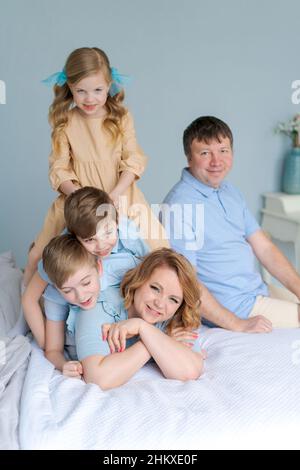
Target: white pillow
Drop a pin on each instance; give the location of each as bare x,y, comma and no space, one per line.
10,292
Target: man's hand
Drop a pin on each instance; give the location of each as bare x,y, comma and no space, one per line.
257,324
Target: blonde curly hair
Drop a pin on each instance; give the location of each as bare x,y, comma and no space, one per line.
81,63
188,314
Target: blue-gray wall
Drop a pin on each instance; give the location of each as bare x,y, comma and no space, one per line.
235,59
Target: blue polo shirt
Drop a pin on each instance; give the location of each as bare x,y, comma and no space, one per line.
125,255
211,227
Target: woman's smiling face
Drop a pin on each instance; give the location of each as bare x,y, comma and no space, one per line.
159,298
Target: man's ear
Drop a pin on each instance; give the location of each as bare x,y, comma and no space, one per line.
100,267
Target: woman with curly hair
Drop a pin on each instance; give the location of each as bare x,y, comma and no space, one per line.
156,317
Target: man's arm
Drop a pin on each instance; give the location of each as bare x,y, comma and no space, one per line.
275,262
214,312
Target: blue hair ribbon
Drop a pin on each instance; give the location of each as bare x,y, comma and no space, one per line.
58,78
119,81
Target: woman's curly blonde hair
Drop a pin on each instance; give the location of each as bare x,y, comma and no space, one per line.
188,314
81,63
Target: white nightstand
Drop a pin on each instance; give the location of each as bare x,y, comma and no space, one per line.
281,219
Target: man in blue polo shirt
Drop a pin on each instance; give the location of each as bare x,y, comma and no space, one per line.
208,221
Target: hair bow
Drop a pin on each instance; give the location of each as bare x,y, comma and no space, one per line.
58,78
119,81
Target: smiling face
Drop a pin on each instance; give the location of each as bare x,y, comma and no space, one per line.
104,239
159,298
90,94
83,287
210,163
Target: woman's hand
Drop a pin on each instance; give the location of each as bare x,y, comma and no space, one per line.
185,336
117,333
73,369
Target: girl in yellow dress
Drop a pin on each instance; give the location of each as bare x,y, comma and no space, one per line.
93,144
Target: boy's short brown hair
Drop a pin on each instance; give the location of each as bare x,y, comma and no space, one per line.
206,129
85,208
63,256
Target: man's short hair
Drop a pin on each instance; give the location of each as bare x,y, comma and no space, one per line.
206,129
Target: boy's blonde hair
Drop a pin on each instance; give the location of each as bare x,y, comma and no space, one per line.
63,256
85,208
188,314
81,63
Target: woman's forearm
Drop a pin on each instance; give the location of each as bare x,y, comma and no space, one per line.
175,360
116,369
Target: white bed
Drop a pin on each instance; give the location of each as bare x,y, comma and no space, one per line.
248,397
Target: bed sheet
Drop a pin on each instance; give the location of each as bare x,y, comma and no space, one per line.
248,397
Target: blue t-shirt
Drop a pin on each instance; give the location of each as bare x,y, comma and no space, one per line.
88,324
125,255
211,227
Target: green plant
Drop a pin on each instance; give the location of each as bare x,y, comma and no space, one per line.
291,128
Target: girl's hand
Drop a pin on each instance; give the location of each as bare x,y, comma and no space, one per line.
73,369
117,333
115,199
185,336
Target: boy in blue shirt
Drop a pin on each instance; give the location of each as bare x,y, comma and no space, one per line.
115,242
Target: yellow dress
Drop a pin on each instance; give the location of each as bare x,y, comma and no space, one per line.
88,157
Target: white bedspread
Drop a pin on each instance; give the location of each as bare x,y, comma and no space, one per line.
249,397
14,354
